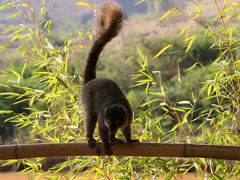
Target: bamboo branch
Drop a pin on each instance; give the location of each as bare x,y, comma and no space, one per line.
19,151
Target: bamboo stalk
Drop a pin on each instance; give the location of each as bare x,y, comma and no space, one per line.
20,151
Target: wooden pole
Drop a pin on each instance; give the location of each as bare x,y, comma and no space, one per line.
19,151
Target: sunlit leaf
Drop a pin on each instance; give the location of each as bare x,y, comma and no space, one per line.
83,4
8,5
192,67
99,171
167,13
184,29
80,34
42,9
149,102
162,51
9,94
62,82
225,3
24,67
5,112
184,102
139,2
235,4
141,54
3,47
178,109
90,35
23,100
17,74
193,38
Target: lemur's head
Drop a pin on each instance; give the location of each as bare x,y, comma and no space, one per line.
115,116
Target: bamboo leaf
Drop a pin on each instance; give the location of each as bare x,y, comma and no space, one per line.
5,112
156,93
13,16
18,75
149,102
193,66
139,2
20,101
162,51
9,94
42,9
184,29
167,13
7,29
178,109
8,5
80,34
235,4
193,38
225,3
185,116
48,25
90,35
140,53
62,82
24,67
83,4
99,171
3,47
184,102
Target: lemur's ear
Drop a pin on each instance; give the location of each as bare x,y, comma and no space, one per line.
106,112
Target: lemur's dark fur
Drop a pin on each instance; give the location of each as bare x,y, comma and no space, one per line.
102,99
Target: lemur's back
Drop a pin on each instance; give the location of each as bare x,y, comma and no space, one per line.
100,93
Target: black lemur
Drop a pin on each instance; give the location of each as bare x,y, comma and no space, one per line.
101,98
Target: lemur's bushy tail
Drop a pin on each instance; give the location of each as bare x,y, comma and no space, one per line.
108,22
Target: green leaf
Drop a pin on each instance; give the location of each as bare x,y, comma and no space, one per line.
8,28
140,53
163,50
24,67
139,2
83,4
18,75
184,102
184,29
156,93
225,3
62,82
90,35
149,102
9,94
48,25
5,112
42,9
167,13
193,38
20,101
80,34
218,59
235,4
13,16
178,109
3,47
8,5
192,67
